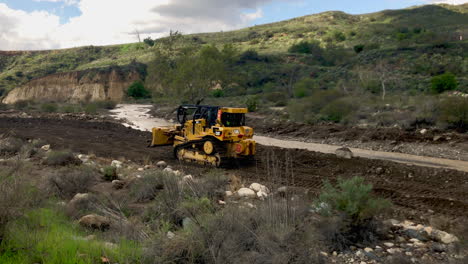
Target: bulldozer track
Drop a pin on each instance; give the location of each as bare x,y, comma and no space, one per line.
411,188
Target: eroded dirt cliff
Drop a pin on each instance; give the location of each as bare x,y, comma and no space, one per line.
90,85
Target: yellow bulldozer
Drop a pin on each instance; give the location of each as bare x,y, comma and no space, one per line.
208,135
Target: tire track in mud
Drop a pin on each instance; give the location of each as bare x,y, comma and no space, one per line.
411,188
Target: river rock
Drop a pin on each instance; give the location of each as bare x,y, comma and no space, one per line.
262,195
443,237
45,147
117,164
161,164
259,188
246,193
344,153
118,184
95,222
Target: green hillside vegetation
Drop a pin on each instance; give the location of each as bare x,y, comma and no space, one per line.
334,67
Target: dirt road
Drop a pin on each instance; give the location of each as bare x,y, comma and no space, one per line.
414,190
136,116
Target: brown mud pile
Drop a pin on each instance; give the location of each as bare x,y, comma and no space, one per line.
414,190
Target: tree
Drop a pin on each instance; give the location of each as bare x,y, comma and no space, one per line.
137,90
195,74
148,41
443,82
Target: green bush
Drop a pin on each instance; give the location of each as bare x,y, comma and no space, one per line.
61,158
454,112
147,187
218,93
252,103
21,105
68,109
306,47
349,212
47,236
352,198
91,109
49,107
106,104
138,91
339,36
67,182
443,82
359,48
337,110
109,173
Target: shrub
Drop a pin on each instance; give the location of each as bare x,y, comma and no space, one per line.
273,233
218,93
106,104
339,36
454,112
16,195
359,48
21,105
90,109
47,236
138,91
68,109
109,173
252,103
251,55
61,158
443,82
148,41
337,110
304,47
68,182
352,208
147,187
10,145
49,107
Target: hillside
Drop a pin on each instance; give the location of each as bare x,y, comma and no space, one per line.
321,64
379,29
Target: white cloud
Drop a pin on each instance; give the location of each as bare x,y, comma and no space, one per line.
23,30
105,22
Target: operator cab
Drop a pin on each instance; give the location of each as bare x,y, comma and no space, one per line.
229,117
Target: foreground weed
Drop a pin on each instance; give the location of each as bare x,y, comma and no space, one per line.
47,236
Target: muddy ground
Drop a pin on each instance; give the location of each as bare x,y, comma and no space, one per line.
417,192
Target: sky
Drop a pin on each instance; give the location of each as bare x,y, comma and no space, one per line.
53,24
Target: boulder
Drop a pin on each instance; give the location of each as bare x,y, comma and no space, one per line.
170,235
423,131
117,164
95,222
45,147
118,184
344,153
188,178
168,170
262,195
246,193
420,235
161,164
443,237
228,193
79,197
259,188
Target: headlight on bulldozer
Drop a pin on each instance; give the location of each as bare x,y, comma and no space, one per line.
236,131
